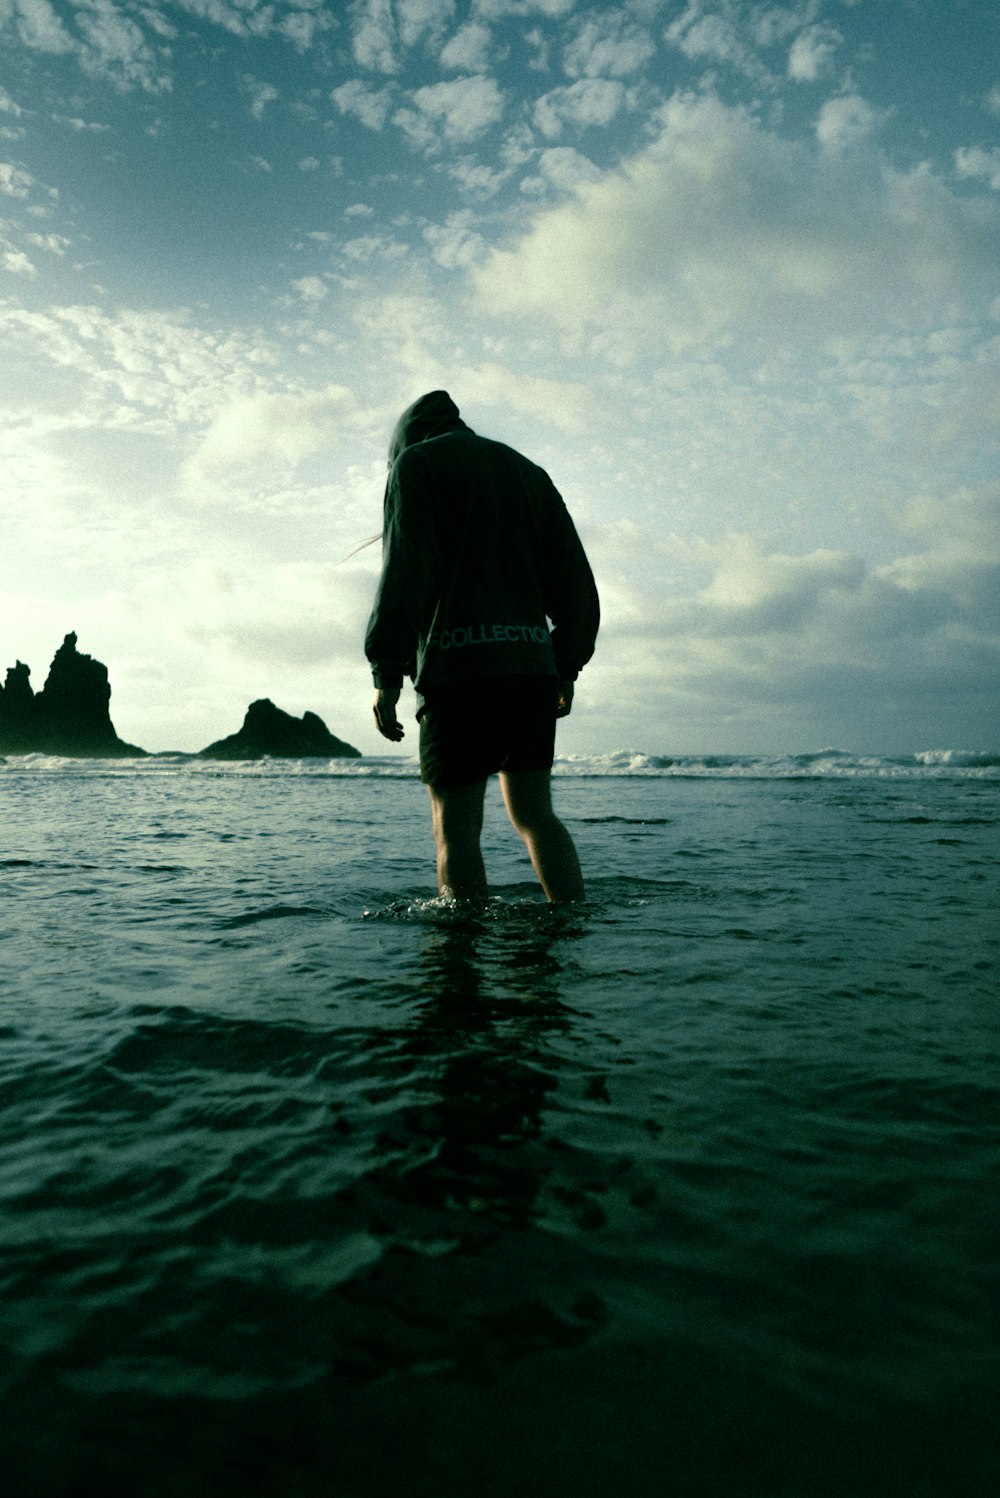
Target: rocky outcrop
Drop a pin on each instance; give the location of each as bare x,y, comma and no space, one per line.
269,732
18,711
69,716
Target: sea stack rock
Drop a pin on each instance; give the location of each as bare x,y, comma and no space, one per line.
268,732
18,712
69,716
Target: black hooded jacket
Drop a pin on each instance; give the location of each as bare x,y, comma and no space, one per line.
478,555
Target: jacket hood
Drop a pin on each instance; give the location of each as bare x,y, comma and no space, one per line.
430,416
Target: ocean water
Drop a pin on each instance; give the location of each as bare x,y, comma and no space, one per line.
312,1184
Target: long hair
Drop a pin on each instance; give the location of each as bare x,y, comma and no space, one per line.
370,542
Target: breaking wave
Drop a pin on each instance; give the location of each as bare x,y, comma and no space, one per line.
621,763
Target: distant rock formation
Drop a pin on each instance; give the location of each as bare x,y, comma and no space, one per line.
18,712
269,732
69,716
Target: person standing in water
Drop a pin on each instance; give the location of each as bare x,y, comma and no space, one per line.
479,555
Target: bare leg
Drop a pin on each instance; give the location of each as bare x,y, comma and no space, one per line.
527,795
458,823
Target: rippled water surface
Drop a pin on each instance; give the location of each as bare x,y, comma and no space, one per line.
313,1185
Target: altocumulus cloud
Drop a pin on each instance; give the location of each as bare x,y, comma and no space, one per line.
812,53
456,111
135,365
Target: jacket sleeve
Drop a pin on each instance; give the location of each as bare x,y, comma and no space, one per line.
410,571
571,600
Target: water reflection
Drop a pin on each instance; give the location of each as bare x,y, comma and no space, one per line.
479,1052
469,1276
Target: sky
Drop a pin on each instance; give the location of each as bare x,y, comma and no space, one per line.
728,270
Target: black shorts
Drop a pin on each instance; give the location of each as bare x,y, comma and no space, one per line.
470,730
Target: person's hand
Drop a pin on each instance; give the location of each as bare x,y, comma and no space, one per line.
564,699
386,721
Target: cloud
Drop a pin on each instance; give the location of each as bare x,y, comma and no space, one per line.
539,42
752,592
134,366
373,248
551,9
846,121
108,39
15,182
370,106
242,18
419,347
721,230
455,244
261,95
837,606
506,390
588,102
423,18
74,123
458,111
812,52
287,426
16,244
115,48
739,34
977,161
775,641
301,27
106,43
468,51
55,244
39,27
476,178
713,37
958,532
772,25
560,167
374,38
311,288
278,615
608,46
16,262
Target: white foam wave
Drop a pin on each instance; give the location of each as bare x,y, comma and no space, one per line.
821,763
621,763
975,759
